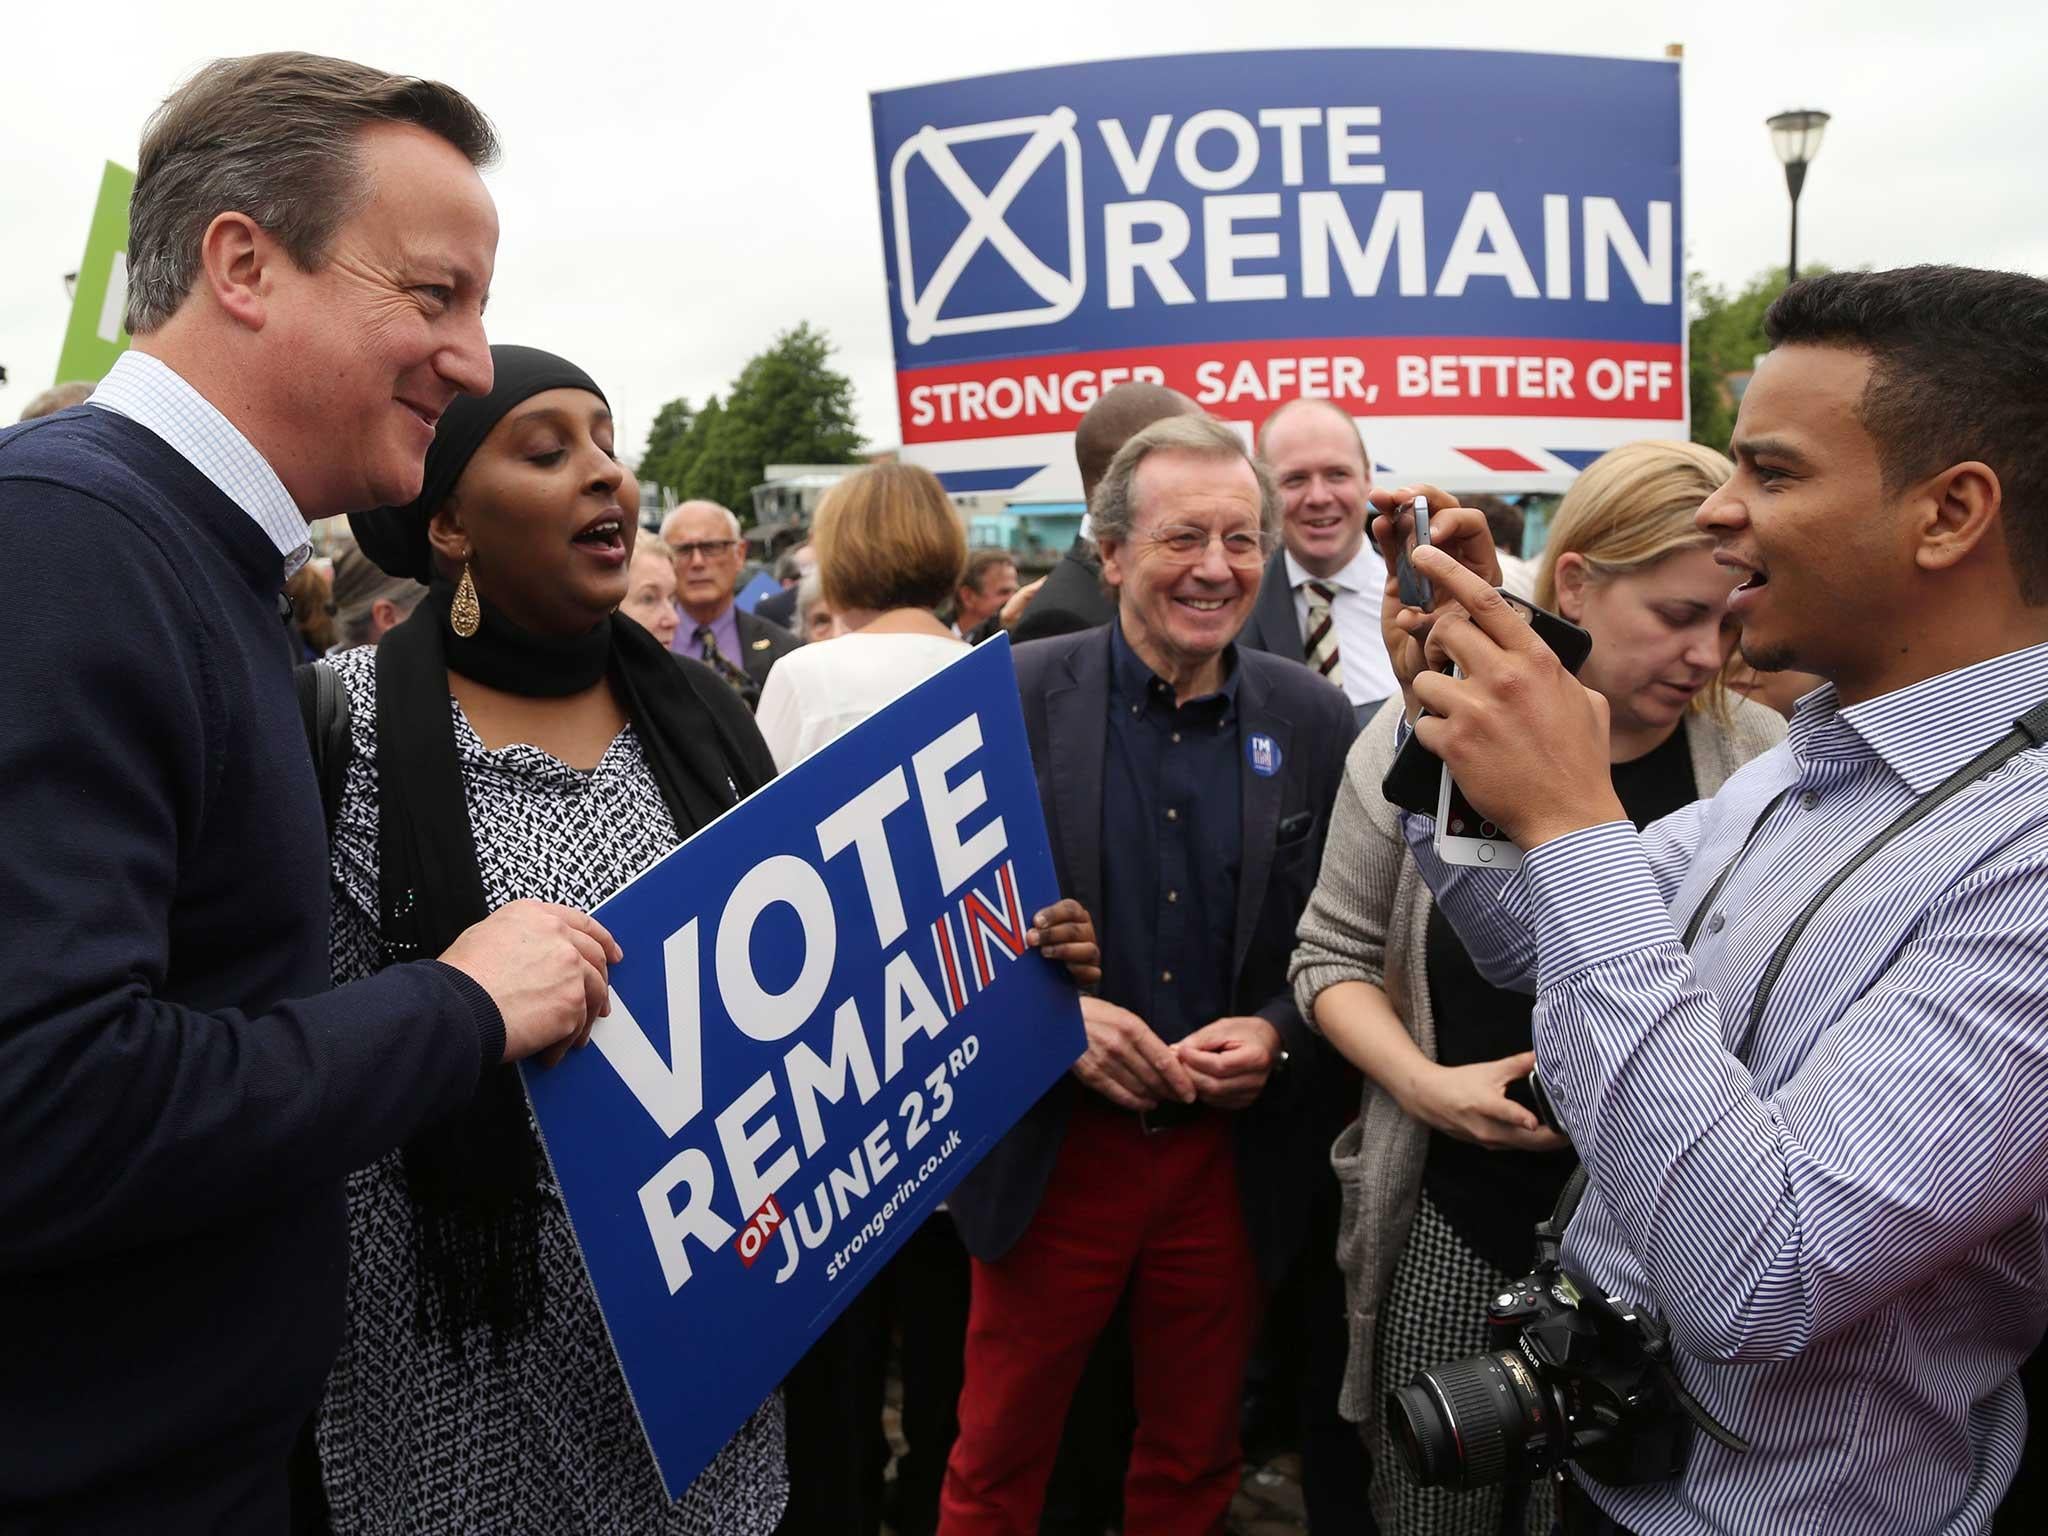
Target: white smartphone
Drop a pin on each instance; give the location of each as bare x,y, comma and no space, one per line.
1463,836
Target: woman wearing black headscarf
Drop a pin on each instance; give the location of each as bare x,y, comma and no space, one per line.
513,738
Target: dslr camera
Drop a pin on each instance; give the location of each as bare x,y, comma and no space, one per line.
1574,1375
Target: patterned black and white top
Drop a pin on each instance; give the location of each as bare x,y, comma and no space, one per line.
543,1437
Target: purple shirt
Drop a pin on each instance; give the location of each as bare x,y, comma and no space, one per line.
725,629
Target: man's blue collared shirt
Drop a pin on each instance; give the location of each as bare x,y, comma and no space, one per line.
1172,841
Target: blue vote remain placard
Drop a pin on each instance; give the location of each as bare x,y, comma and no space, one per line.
826,1014
1476,254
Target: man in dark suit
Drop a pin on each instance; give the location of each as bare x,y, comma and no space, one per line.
1071,596
1320,601
987,582
1168,1161
705,539
791,566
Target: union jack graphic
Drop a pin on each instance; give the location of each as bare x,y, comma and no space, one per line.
967,951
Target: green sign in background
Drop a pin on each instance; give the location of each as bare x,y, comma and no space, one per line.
95,336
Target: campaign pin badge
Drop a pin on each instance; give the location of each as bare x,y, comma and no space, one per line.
1264,753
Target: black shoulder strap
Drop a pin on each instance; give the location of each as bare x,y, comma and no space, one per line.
1692,929
2030,730
323,706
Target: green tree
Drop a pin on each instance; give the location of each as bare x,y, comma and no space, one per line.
795,408
690,447
671,425
788,406
1727,336
726,466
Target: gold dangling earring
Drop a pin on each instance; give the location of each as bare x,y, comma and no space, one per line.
465,615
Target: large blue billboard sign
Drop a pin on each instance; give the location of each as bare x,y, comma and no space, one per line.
1475,254
827,1013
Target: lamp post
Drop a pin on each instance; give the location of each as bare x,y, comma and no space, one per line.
1796,138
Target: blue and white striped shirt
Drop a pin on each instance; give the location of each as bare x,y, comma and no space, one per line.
152,394
1844,1221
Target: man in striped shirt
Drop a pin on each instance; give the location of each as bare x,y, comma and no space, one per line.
1837,1203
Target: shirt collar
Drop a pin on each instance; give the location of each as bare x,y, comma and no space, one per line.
1352,578
150,393
1134,683
725,618
1926,730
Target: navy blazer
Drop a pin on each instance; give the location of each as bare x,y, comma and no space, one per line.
779,608
1065,687
1071,599
1275,627
762,643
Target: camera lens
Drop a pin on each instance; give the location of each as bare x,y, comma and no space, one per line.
1471,1423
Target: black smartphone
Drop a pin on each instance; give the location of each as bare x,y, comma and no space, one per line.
1528,1092
1415,778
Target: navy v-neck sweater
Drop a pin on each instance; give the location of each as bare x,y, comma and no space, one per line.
180,1093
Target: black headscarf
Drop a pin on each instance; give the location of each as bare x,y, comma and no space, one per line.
474,1178
396,537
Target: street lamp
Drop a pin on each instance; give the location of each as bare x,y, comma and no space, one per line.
1796,138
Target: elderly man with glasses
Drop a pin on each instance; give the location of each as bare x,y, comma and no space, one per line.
705,539
1172,1162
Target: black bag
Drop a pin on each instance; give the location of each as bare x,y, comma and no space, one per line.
323,705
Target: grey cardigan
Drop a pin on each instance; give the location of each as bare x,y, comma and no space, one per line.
1367,921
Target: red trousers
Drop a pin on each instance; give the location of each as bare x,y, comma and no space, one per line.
1157,1213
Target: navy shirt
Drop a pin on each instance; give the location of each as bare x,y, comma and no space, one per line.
1172,843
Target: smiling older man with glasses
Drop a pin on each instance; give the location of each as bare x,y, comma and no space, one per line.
705,539
1172,1162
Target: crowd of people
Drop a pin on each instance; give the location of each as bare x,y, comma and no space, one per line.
279,1236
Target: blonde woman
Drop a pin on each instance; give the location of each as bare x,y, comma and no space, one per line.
1444,1176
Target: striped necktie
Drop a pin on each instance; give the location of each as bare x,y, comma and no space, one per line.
1321,646
712,657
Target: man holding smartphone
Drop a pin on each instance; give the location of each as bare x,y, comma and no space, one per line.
1806,1079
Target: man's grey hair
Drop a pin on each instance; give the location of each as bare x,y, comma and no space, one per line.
275,136
787,566
810,590
668,523
1113,513
355,618
58,397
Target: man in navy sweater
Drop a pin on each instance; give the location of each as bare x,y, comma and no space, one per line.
180,1094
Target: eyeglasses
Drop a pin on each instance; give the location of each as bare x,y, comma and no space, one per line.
1188,546
710,549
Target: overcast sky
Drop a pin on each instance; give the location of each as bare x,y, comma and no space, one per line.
681,181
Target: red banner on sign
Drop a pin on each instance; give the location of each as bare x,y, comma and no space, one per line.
1244,381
